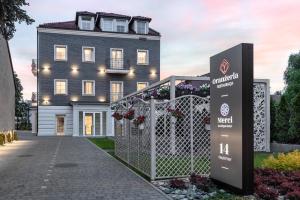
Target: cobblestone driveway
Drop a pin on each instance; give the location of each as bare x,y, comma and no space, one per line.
39,168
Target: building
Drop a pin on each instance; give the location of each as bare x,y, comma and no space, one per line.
85,64
7,89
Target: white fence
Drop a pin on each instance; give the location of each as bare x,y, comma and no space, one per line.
168,147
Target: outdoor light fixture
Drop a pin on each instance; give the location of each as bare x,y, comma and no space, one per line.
131,72
101,70
74,69
46,100
46,67
153,72
74,98
101,99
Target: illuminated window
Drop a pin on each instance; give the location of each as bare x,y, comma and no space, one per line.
116,61
141,27
141,85
60,86
60,52
88,54
116,90
107,25
142,57
88,88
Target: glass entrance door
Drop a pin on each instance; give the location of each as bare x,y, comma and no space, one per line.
89,124
92,123
60,124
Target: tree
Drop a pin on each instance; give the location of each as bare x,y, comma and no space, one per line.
273,119
282,121
294,130
292,77
18,99
11,12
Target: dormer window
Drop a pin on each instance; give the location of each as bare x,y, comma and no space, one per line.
141,27
107,24
121,25
86,23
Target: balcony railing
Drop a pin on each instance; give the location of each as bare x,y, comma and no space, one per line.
117,65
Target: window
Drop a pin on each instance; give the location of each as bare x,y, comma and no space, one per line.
88,88
60,86
141,85
142,57
86,23
107,25
121,25
88,54
141,27
116,90
60,52
116,58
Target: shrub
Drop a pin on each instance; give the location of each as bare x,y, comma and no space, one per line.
15,136
8,137
265,192
177,184
282,121
201,182
289,161
2,139
293,195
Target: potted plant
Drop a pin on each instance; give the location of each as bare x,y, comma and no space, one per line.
139,122
206,121
177,114
129,114
118,117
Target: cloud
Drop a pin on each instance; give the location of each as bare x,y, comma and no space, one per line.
192,31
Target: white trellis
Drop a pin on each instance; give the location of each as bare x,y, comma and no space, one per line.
167,147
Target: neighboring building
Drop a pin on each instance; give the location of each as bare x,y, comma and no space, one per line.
7,89
85,64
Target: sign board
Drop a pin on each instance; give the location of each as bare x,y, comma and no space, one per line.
231,90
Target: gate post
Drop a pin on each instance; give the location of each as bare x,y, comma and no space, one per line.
152,139
172,104
192,134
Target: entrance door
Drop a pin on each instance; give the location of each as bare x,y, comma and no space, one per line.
89,124
60,124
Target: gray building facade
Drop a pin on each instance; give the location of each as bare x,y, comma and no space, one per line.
7,89
84,65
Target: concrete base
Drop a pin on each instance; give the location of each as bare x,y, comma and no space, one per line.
277,147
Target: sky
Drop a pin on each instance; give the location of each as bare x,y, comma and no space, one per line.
192,31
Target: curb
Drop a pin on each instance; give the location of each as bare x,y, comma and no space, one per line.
158,190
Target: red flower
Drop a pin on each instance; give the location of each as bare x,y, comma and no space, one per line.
129,115
206,120
117,116
139,120
175,113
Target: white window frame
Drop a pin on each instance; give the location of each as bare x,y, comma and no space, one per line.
110,92
145,29
83,56
82,86
147,84
62,80
112,24
59,45
122,67
124,21
137,57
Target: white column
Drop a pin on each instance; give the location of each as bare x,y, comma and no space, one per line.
173,119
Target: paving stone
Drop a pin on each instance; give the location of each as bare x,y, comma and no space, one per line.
80,171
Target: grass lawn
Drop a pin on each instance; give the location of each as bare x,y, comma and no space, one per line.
108,145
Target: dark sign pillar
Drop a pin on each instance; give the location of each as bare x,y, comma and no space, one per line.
231,91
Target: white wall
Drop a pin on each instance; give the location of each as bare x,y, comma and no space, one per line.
47,119
33,119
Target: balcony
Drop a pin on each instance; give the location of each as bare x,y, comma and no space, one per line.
117,66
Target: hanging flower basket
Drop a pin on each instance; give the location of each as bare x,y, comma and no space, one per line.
129,115
175,113
139,122
206,121
117,116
